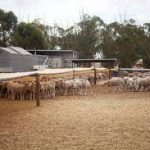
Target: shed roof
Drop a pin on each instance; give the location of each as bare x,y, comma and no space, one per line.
19,50
56,51
8,50
15,50
112,60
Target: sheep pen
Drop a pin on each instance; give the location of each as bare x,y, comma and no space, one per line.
106,119
47,84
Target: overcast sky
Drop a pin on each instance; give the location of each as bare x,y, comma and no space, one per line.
66,12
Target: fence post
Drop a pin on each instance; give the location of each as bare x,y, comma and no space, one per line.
95,76
37,90
73,73
110,73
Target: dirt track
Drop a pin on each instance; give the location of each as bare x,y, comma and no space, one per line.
105,121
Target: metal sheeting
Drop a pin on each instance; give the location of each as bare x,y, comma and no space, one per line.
15,50
5,63
22,63
11,61
19,50
8,50
53,51
18,63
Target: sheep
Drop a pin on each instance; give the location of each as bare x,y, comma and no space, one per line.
115,82
68,85
59,86
129,84
29,90
143,84
86,85
33,90
3,89
51,88
15,90
77,86
47,89
101,76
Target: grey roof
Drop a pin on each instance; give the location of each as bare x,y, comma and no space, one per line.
59,51
94,60
8,50
19,50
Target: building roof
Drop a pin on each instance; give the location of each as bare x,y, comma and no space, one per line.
56,51
19,50
15,50
113,60
8,50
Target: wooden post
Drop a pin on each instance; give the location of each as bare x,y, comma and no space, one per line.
95,76
73,73
37,90
109,73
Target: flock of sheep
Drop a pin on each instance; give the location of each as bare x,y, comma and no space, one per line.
138,82
49,88
79,85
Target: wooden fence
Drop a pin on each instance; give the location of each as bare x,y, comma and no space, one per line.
52,74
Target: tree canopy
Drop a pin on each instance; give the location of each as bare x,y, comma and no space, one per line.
8,22
30,36
125,41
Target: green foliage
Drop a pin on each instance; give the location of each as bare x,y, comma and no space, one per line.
125,41
31,36
85,37
8,22
90,35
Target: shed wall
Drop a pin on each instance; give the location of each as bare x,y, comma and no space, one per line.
5,62
56,62
59,59
22,63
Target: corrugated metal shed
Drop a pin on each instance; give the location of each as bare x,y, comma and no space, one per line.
11,60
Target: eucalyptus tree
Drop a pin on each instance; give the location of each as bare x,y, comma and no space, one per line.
31,36
8,23
90,35
124,41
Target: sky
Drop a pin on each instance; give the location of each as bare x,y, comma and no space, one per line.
67,12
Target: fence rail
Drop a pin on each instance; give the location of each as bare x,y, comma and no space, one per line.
134,69
53,73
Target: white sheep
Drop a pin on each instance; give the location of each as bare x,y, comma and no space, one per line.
115,83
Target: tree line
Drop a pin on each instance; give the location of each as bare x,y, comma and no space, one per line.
125,41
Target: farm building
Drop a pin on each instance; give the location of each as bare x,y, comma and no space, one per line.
58,58
107,62
16,59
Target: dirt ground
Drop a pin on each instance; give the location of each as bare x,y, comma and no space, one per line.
104,121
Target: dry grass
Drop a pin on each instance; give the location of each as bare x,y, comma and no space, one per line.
105,121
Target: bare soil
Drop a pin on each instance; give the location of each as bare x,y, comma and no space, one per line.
104,121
